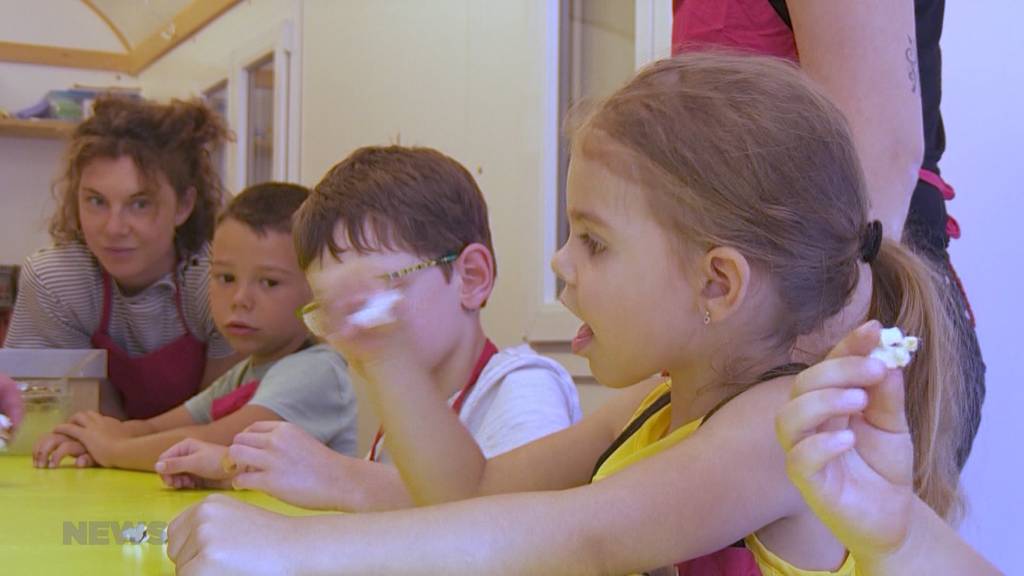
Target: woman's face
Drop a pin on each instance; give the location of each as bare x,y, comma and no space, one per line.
128,226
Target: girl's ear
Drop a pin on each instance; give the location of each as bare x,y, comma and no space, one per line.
186,203
726,278
475,269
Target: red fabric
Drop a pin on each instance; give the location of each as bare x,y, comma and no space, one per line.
232,401
733,561
948,193
751,25
485,356
155,382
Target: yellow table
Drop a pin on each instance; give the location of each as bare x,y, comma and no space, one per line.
63,521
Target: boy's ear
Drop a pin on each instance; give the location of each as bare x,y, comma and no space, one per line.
186,203
475,268
726,277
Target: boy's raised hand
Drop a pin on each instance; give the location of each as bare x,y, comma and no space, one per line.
283,460
344,290
856,476
193,463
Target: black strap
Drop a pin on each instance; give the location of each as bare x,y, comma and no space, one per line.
782,11
663,400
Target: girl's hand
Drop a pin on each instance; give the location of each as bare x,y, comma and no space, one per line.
192,464
848,446
283,460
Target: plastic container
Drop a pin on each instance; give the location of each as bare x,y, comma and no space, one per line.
47,404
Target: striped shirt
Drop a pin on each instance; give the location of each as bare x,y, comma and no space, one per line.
60,305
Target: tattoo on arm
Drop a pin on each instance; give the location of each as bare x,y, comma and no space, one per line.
911,55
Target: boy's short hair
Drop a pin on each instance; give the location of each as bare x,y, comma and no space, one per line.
406,198
267,206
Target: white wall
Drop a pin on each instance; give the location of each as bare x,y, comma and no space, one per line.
28,166
982,51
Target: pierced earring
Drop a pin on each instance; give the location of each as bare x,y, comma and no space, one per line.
707,317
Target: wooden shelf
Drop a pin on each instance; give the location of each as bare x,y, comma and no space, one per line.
38,128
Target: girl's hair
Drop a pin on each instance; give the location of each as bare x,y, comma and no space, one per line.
172,141
744,151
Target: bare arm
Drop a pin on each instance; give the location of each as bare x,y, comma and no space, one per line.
655,513
142,452
864,53
931,547
439,460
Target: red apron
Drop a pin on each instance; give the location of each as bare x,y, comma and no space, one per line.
159,380
485,356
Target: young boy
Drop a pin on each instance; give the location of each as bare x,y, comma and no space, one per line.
256,287
418,217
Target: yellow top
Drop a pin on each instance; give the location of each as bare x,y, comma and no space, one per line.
654,437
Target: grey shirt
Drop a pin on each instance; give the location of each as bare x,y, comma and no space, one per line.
310,388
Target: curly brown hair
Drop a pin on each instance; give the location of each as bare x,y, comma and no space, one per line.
170,140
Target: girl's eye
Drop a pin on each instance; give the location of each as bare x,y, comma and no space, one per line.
224,278
594,246
94,201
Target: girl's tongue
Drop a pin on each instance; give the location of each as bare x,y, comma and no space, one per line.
583,337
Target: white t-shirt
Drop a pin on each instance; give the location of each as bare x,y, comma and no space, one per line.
519,397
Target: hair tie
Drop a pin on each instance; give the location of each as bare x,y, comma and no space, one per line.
871,241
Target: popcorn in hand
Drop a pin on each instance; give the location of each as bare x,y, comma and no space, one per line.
377,311
5,431
895,349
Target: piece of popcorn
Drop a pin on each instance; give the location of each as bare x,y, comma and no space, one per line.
377,311
895,349
137,534
5,431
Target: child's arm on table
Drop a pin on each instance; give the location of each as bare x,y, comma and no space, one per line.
617,525
142,452
51,449
858,478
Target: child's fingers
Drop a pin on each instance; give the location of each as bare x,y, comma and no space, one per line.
252,439
182,448
803,415
66,448
85,461
810,455
43,448
886,408
249,458
176,464
69,430
860,342
250,481
842,372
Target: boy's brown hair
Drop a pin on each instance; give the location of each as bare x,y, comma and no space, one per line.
744,151
267,206
406,198
164,140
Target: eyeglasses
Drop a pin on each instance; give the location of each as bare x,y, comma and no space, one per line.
316,321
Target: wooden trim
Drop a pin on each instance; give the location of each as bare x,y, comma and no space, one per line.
110,24
41,128
185,23
65,57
